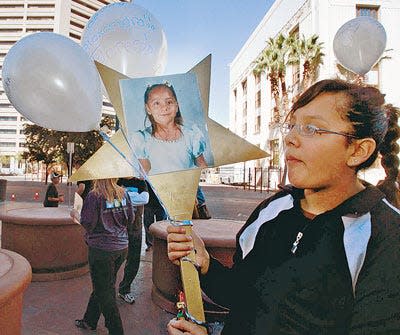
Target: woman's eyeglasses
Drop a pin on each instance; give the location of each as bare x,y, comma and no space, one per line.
309,130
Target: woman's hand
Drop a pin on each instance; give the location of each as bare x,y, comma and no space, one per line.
146,165
201,161
183,327
180,245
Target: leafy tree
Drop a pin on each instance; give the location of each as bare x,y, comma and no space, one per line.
85,144
50,146
42,145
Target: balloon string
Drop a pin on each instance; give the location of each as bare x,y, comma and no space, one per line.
141,170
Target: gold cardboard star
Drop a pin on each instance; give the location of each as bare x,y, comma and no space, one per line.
226,146
177,190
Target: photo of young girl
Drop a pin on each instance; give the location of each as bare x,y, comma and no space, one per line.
166,124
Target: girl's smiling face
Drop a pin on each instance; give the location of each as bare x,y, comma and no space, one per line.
162,105
320,160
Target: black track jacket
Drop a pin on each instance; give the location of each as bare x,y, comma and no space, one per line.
344,277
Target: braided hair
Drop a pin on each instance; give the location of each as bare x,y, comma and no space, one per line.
390,160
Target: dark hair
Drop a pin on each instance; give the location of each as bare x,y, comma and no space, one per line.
364,108
178,117
390,160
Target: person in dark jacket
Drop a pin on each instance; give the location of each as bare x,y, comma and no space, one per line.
106,214
53,198
321,256
153,211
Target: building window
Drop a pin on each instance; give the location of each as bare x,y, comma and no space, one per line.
274,148
8,131
85,4
8,118
73,11
257,78
244,129
365,10
257,125
12,6
76,36
7,144
42,6
11,18
76,24
107,104
244,87
258,99
34,30
244,109
37,18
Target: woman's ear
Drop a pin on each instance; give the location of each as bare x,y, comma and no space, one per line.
362,149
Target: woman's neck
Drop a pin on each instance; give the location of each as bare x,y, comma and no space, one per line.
318,201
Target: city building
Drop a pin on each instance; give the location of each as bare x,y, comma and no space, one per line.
251,101
17,19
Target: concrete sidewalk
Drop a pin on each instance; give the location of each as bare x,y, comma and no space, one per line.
50,308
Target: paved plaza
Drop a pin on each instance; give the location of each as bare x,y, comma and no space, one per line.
50,308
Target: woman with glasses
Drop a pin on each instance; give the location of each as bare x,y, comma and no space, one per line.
167,145
321,256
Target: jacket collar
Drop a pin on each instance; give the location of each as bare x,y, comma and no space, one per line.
357,205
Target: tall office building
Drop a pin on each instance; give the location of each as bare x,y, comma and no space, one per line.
17,19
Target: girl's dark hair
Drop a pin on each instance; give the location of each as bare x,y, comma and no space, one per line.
390,159
365,109
178,117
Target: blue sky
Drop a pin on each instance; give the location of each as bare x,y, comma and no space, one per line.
196,28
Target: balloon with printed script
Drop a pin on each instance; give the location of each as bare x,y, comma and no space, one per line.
127,38
51,81
359,43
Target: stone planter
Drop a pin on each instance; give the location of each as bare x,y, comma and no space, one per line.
49,239
219,237
15,276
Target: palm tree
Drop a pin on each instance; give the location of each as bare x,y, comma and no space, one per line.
272,61
267,63
312,56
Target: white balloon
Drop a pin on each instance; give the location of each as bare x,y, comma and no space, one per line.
126,38
359,43
51,81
